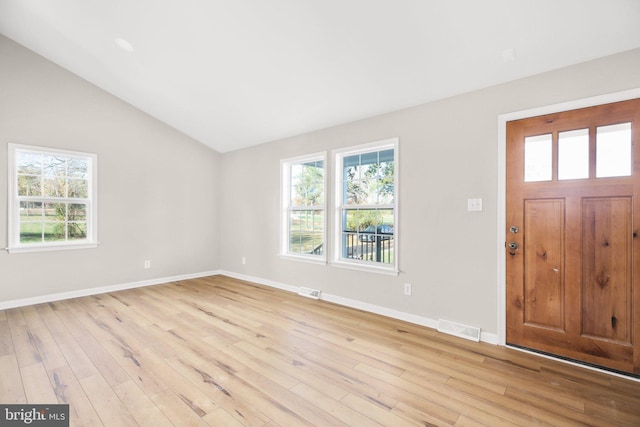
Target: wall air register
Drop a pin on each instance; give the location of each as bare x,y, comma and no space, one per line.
309,293
459,330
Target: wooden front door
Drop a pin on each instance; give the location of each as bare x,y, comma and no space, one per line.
573,206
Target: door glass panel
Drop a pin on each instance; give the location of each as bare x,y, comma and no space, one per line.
573,154
613,150
537,158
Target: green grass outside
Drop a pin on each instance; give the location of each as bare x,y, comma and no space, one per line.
31,232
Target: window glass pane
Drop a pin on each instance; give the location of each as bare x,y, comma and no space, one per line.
369,158
305,232
78,188
537,158
370,183
55,212
386,220
573,154
351,160
294,232
386,156
78,168
350,220
350,247
77,212
55,187
373,237
613,150
369,189
386,184
296,174
30,222
30,211
53,165
28,163
29,185
354,194
307,184
318,233
30,232
77,230
54,231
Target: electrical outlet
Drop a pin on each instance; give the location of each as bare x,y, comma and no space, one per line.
407,288
147,264
474,205
244,260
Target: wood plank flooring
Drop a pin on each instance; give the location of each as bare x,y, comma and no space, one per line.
222,352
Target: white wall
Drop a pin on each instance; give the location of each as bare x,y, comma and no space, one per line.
158,189
448,153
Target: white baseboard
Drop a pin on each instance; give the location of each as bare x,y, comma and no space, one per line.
347,302
260,281
101,290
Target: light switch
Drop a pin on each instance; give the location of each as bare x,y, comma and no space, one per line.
474,205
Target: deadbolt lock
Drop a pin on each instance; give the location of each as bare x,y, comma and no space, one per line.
514,229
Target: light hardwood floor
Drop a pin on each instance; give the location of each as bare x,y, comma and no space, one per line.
222,352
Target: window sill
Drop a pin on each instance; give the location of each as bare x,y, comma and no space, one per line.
53,247
304,258
390,271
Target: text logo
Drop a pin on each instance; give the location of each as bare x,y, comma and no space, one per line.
34,415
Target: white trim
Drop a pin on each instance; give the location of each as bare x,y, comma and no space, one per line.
51,247
311,259
285,188
43,299
13,202
502,168
260,281
337,156
361,266
359,305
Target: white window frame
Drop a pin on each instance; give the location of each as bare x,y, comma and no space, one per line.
286,208
13,205
338,259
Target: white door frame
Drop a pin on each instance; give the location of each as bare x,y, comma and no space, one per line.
502,190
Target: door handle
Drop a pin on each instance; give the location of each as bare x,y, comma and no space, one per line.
513,248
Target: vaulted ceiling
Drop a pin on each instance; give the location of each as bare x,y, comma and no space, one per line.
236,73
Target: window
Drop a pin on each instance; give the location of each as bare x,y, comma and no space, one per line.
611,151
613,148
366,207
303,208
52,199
537,158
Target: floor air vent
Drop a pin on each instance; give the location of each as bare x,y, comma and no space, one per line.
309,293
459,330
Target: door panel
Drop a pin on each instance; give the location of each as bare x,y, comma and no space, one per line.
543,253
572,281
606,285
